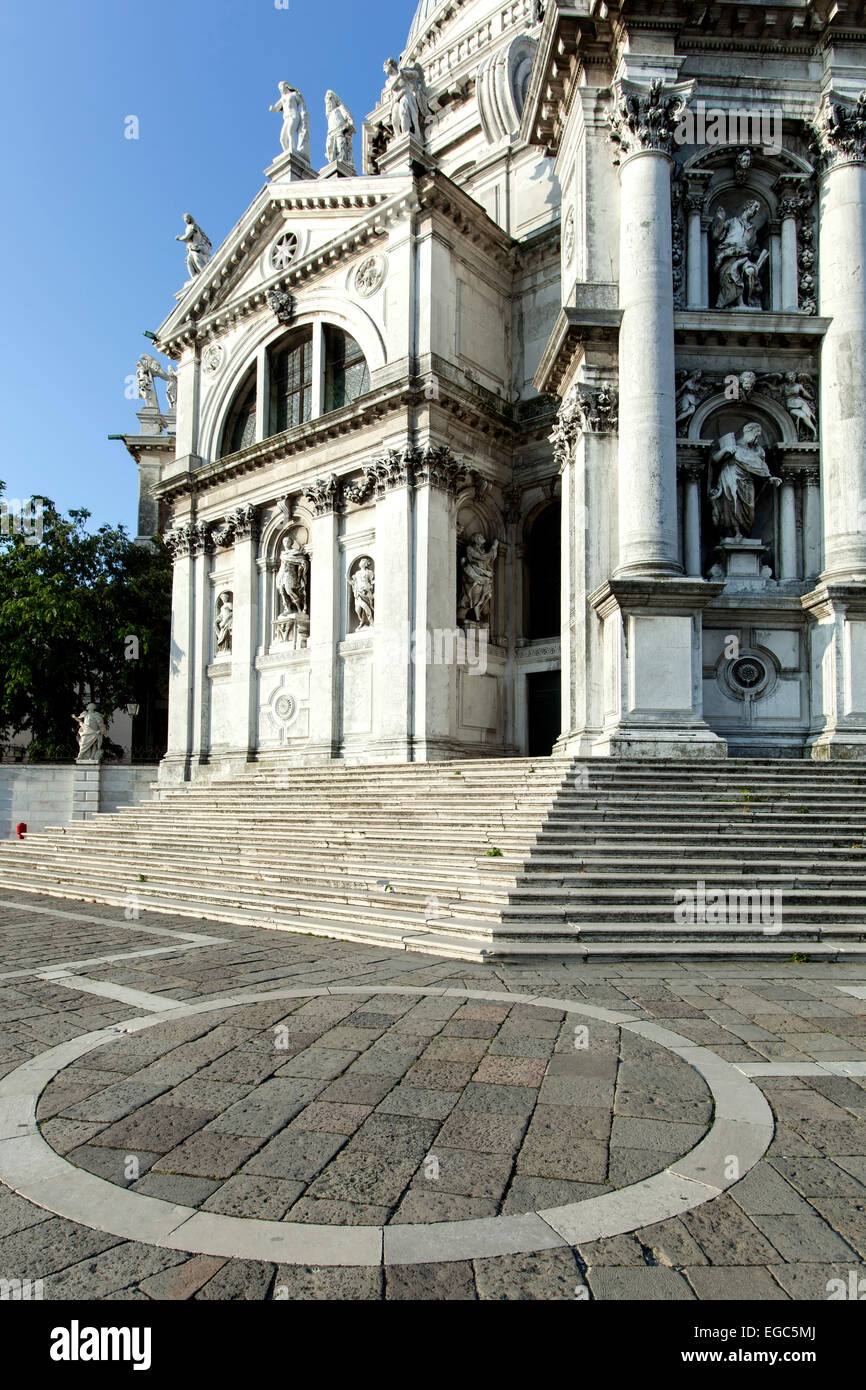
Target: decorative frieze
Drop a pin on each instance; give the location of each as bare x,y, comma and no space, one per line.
795,391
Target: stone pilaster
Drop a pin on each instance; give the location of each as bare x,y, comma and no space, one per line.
327,499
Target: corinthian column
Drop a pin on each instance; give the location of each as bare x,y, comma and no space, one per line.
841,139
642,126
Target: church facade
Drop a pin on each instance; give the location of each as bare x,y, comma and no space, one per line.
533,418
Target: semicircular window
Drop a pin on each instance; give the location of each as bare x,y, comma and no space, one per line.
240,426
347,375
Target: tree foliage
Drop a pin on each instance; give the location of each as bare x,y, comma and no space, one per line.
68,605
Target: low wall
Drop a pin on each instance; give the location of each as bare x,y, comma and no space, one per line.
40,794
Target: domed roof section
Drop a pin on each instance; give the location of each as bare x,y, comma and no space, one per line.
422,14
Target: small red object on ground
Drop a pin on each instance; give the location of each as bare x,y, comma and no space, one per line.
21,829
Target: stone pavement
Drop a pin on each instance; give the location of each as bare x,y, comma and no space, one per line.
287,1117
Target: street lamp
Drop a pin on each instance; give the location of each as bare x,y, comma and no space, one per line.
132,708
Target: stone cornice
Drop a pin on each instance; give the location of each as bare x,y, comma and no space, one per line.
575,330
758,328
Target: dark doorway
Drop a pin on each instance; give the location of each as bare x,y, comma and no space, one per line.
543,711
542,574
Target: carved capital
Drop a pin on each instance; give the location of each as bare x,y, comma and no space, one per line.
437,467
238,525
189,539
325,494
839,132
512,505
645,117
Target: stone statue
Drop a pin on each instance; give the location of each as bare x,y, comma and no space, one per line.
406,96
295,133
341,128
91,732
198,246
739,274
689,396
362,584
292,579
477,565
171,388
223,623
800,404
145,369
742,460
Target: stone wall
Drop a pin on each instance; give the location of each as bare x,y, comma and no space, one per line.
41,794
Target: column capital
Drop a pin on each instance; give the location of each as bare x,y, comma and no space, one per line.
839,132
188,540
644,117
585,409
239,524
325,495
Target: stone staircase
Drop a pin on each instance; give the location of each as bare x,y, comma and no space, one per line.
494,860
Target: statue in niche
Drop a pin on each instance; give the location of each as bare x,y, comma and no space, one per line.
198,246
477,565
341,128
91,733
742,459
362,583
295,132
223,623
739,273
292,622
406,96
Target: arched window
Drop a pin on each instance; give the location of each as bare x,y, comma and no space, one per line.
347,375
240,426
291,372
309,371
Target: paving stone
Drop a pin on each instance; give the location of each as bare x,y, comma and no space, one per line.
727,1236
821,1177
49,1246
427,1205
534,1194
215,1096
521,1045
469,1174
395,1137
327,1212
238,1280
450,1282
652,1282
181,1281
410,1100
456,1049
745,1282
364,1179
355,1089
847,1215
814,1281
116,1269
549,1274
375,1062
658,1105
155,1127
208,1154
670,1244
511,1071
304,1283
483,1098
297,1154
116,1101
265,1199
765,1191
482,1133
112,1164
664,1135
615,1250
175,1187
65,1135
17,1214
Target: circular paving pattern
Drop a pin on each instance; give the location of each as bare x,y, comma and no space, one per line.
363,1124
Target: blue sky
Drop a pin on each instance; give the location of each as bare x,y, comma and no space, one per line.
87,236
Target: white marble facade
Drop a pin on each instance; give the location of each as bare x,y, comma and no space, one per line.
546,428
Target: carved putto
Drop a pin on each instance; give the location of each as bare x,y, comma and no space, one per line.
198,246
362,582
91,734
341,128
295,132
737,265
223,623
795,391
742,460
477,579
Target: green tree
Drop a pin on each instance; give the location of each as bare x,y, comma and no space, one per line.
69,603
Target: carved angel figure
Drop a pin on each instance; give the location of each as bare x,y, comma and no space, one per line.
295,132
800,404
477,565
739,274
406,95
742,460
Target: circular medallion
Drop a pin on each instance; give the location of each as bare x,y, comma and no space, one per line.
212,358
748,672
568,236
284,250
285,707
369,275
